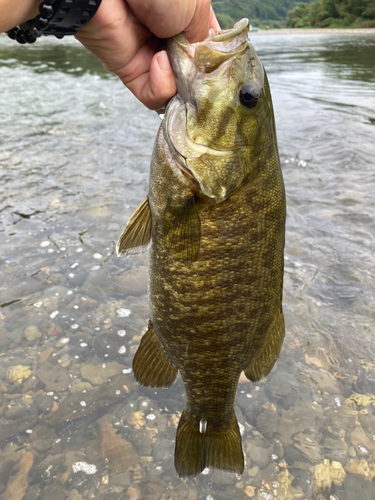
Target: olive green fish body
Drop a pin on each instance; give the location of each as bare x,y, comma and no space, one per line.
215,214
212,315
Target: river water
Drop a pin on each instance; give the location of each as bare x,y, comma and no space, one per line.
75,148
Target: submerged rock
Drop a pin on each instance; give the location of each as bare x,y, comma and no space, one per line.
11,429
17,485
54,377
15,412
48,468
32,333
304,416
54,491
335,449
285,388
7,462
327,473
361,467
99,374
80,404
259,456
111,346
116,453
17,374
361,442
357,487
308,446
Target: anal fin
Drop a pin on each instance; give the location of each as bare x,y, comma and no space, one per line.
151,366
136,237
263,363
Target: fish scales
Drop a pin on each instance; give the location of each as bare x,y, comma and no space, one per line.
216,206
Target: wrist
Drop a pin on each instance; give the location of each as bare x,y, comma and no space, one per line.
55,17
14,13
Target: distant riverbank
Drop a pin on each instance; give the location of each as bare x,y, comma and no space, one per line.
310,31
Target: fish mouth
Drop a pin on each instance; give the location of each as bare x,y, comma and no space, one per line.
214,63
220,46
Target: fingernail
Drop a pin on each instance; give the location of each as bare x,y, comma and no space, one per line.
163,62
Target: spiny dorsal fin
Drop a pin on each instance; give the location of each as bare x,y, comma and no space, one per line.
136,237
185,232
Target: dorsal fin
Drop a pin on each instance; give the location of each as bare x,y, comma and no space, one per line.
136,237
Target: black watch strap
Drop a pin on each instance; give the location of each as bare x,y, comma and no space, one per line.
57,17
69,16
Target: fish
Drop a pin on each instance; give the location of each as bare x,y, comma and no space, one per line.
214,221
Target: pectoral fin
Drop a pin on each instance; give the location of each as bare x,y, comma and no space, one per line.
263,363
184,231
136,237
151,365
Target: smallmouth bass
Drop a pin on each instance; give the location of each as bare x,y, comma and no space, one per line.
215,214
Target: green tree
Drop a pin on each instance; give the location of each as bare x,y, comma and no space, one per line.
322,13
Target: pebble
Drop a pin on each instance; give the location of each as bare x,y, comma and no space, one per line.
362,442
259,456
32,333
17,374
15,412
253,471
65,360
44,355
62,342
78,386
42,445
250,491
123,313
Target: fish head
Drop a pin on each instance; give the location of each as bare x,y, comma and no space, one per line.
215,122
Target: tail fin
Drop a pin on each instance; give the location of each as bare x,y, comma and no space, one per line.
218,449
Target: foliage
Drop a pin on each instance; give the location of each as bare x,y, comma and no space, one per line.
334,13
272,13
296,14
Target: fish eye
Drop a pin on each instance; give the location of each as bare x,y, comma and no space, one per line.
249,95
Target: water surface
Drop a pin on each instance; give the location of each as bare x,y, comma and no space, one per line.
75,148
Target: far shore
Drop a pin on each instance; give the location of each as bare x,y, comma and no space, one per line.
312,31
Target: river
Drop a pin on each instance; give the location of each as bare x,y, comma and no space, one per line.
75,149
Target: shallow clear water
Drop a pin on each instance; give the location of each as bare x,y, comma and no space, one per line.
75,148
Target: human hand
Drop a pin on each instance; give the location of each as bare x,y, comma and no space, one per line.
13,13
127,36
